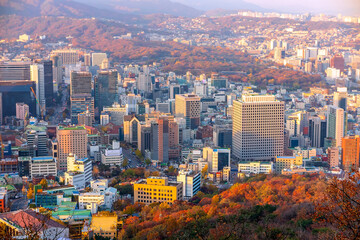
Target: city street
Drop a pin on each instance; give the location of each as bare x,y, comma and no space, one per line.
21,203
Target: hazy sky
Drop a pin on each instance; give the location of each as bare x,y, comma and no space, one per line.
351,7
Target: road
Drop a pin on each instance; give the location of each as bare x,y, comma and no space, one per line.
135,162
57,117
20,203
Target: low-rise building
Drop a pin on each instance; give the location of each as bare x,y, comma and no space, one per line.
104,225
191,181
43,166
287,162
112,157
157,189
257,167
79,173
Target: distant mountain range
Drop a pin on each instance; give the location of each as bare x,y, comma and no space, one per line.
125,10
112,9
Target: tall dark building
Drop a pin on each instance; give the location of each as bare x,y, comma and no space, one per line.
317,131
48,80
106,89
80,83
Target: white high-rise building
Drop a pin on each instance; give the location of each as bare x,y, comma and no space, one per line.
37,75
258,128
336,124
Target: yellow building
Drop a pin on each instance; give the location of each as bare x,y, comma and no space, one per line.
104,225
286,162
157,189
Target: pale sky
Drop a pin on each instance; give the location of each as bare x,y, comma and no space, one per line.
345,7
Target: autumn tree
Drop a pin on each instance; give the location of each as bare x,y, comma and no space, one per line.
340,206
44,183
30,193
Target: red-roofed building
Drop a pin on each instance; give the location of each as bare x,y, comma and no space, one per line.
31,224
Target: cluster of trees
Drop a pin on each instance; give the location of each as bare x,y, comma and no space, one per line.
265,207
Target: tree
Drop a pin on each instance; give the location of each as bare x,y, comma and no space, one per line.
44,183
96,171
30,193
204,171
147,162
125,163
340,206
139,154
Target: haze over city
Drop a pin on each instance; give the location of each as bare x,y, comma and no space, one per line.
179,119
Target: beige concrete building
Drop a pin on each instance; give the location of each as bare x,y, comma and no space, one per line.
287,162
69,140
258,128
188,107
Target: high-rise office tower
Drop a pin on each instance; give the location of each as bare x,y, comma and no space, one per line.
338,62
87,59
106,88
80,83
22,111
97,58
67,56
37,141
37,75
79,104
69,140
15,71
258,128
317,131
335,125
57,71
340,99
143,82
15,84
350,152
188,107
48,80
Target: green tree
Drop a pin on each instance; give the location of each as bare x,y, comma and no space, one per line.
125,163
147,161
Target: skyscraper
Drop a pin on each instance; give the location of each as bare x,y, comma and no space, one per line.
79,104
69,140
350,152
80,83
336,126
106,88
37,75
48,83
188,107
317,131
258,128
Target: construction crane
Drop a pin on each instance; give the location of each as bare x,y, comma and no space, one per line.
42,109
2,147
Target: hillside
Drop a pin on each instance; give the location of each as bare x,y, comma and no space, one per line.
260,207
